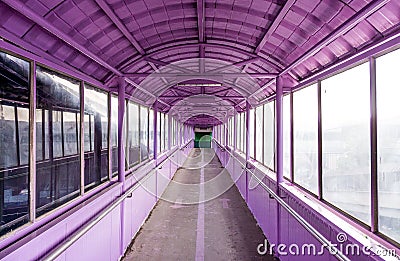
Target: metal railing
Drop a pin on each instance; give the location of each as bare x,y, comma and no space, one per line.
64,245
314,232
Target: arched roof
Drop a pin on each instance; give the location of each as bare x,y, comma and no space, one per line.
109,39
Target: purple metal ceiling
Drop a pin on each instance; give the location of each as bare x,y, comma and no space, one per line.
106,39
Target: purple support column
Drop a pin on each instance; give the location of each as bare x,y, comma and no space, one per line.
121,125
234,131
279,130
169,124
247,147
32,144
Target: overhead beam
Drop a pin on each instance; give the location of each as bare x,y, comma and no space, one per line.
200,19
40,21
186,96
237,64
137,86
206,75
368,10
274,24
170,65
110,13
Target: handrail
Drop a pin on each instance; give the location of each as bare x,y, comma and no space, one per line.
332,248
63,246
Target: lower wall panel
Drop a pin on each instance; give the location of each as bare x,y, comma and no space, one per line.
109,238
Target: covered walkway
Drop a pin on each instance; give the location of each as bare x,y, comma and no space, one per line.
185,225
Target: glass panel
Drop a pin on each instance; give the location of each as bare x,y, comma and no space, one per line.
58,179
96,161
166,128
158,132
305,132
286,136
251,133
151,133
259,133
114,135
70,134
133,134
14,142
388,93
162,125
144,132
269,135
238,131
39,135
346,141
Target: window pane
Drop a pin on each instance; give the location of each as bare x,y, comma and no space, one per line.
96,162
151,133
162,129
133,134
144,132
305,128
14,101
70,133
388,93
251,133
269,135
58,179
166,132
114,135
286,136
39,135
346,141
158,132
259,133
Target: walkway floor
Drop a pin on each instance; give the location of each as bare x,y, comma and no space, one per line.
193,222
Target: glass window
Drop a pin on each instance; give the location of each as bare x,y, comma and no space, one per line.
14,142
162,129
269,135
259,133
96,162
244,131
58,179
133,134
144,132
286,136
238,131
151,133
114,134
159,132
346,141
388,93
166,128
251,133
305,143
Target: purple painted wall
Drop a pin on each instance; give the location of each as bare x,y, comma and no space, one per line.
110,237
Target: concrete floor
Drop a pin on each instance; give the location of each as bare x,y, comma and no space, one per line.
199,222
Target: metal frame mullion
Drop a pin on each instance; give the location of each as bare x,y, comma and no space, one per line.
32,143
320,188
82,137
291,140
17,136
109,149
374,146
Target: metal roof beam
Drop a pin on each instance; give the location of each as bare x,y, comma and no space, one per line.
274,24
40,21
110,13
206,75
200,19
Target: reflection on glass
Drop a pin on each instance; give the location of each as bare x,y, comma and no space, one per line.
286,136
144,132
151,133
388,93
58,178
346,141
14,142
96,112
133,134
114,134
305,132
269,135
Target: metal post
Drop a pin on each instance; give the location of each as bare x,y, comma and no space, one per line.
279,130
121,130
109,138
32,143
82,137
374,147
319,141
247,147
234,130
